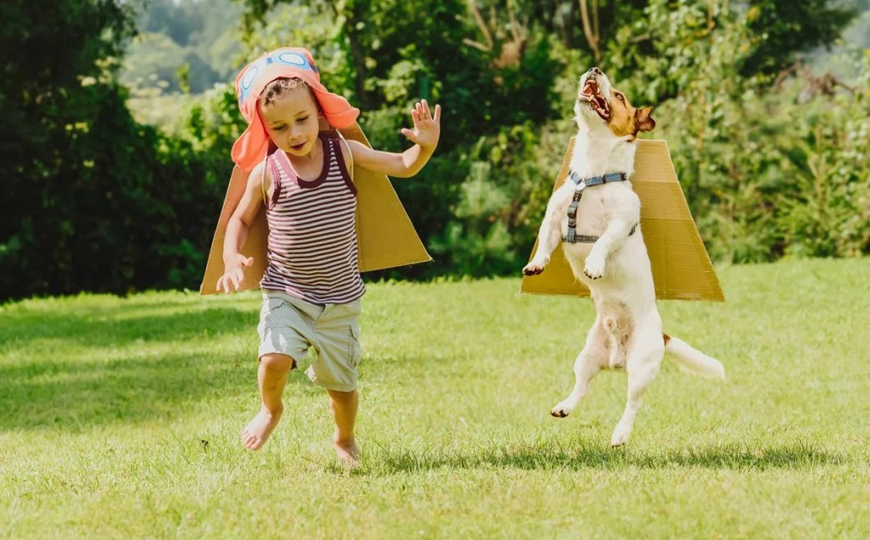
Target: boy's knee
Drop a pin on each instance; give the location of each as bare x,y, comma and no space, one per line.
341,396
277,362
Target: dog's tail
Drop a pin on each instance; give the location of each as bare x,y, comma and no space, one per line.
692,360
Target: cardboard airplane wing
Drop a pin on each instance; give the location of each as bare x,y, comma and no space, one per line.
385,235
681,266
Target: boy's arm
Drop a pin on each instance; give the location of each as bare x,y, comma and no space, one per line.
238,227
427,129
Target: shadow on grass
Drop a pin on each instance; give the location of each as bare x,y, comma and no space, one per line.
71,396
543,457
111,326
117,374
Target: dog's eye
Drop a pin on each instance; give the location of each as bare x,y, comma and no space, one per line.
620,97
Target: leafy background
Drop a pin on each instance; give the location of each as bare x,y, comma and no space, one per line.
119,116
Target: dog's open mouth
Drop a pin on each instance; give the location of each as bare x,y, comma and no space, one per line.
591,94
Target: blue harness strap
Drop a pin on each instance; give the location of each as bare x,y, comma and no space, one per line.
582,183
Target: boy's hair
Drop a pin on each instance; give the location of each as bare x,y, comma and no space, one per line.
282,85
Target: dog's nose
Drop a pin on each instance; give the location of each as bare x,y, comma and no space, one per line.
596,71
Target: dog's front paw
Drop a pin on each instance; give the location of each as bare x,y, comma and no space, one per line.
563,409
534,268
594,267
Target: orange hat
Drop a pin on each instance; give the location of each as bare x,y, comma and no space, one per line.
251,147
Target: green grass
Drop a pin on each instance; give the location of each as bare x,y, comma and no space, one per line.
120,418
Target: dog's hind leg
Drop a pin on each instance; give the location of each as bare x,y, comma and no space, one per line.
644,359
586,367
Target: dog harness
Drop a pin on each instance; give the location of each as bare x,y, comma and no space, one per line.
582,183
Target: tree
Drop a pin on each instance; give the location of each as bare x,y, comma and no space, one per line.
89,199
786,28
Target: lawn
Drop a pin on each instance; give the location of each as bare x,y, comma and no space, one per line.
120,419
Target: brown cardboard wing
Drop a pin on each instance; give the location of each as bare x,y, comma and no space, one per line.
385,234
681,266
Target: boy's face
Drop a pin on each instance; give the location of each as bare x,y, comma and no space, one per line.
292,121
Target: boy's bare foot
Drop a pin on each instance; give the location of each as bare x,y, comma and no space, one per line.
347,451
255,435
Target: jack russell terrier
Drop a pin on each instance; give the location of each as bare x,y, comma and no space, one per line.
595,214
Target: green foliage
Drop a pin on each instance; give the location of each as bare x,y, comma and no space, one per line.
49,94
478,203
91,199
175,34
767,171
155,61
773,164
788,27
383,56
390,56
828,212
477,242
124,209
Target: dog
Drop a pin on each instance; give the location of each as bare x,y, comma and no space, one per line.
595,215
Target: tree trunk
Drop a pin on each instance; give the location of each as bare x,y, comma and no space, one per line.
591,35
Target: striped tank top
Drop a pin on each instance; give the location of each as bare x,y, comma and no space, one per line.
312,246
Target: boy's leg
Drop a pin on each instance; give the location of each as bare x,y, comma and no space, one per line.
344,406
271,376
338,351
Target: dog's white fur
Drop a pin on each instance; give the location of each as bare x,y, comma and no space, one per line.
627,333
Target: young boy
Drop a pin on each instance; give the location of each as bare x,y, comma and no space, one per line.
312,286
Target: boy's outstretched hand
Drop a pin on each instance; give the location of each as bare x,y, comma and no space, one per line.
427,128
234,272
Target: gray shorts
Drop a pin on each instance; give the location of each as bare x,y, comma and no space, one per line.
291,326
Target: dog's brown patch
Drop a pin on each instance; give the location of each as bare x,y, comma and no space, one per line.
625,119
667,338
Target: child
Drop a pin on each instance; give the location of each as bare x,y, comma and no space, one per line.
312,286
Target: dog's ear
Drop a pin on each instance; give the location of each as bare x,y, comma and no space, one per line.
645,122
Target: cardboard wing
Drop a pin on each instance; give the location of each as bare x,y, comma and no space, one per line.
385,234
681,266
